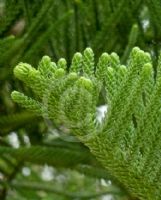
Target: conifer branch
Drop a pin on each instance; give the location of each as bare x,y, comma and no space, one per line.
48,188
125,142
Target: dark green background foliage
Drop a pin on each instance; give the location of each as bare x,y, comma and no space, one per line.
30,29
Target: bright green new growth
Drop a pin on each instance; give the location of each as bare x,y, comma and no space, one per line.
127,142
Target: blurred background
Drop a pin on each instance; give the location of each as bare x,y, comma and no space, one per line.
39,160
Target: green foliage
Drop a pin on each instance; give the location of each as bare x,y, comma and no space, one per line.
30,29
128,138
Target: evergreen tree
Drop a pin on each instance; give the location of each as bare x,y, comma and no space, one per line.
91,60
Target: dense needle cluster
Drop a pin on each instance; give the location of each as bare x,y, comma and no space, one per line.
127,142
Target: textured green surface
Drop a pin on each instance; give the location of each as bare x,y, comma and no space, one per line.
30,29
127,142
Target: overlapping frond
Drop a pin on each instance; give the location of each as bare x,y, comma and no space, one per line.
127,142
